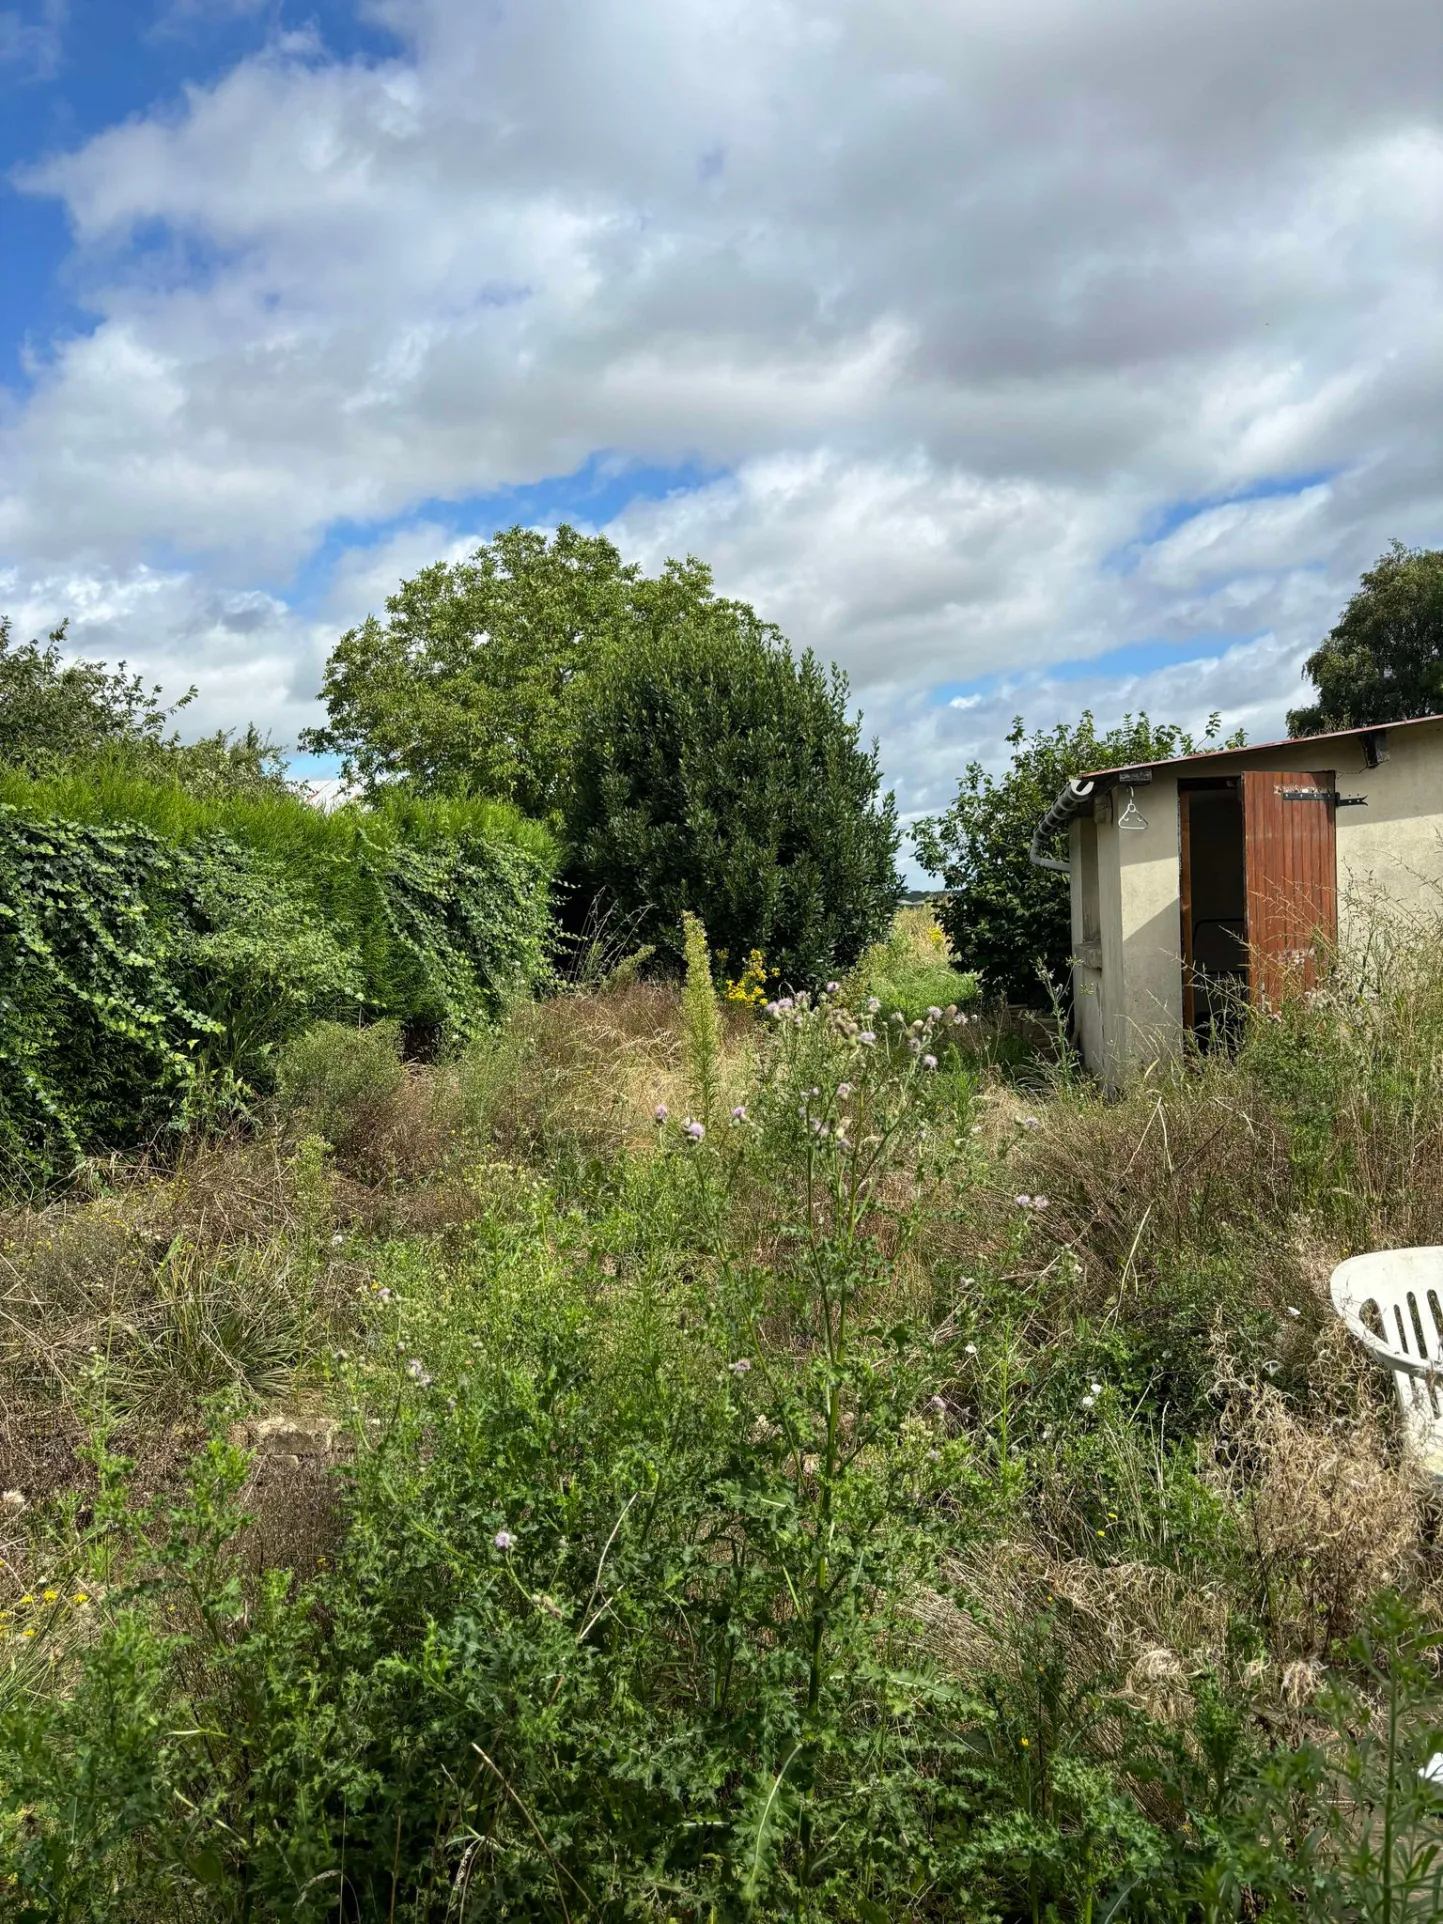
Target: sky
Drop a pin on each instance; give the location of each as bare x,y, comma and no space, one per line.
1018,355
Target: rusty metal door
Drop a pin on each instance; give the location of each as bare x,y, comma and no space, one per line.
1291,852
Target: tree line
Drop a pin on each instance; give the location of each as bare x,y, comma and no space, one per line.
684,756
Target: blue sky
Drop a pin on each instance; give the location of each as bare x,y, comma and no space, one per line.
1017,357
82,67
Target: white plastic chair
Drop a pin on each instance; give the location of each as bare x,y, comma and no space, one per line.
1403,1288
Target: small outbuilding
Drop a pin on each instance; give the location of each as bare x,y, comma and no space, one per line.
1233,873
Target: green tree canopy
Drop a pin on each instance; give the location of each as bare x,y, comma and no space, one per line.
57,714
717,773
1006,917
469,686
53,710
1383,661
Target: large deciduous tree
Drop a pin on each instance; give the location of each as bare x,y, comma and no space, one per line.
1383,661
469,684
1005,917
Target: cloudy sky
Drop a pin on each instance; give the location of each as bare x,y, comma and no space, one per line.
1017,354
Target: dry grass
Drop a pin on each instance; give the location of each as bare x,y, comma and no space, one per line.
582,1074
1193,1161
220,1281
1147,1629
1366,1053
1333,1517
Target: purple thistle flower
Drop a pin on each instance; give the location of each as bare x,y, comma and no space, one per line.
868,1036
929,1062
661,1112
740,1367
934,1015
739,1114
844,1089
832,988
693,1130
503,1540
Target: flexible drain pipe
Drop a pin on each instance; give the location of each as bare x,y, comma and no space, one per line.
1075,799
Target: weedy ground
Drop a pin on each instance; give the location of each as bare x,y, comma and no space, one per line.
686,1462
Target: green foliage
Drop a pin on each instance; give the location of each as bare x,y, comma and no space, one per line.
716,773
330,1077
97,1047
791,1522
910,972
249,954
469,686
1007,919
56,714
53,711
1383,661
151,971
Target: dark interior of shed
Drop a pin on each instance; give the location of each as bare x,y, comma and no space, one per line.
1214,904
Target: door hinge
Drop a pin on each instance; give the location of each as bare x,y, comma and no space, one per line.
1323,795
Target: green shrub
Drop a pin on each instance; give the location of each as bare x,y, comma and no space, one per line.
57,715
332,1077
716,773
156,947
97,1048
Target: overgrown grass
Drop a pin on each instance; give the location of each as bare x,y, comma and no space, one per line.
916,1496
912,970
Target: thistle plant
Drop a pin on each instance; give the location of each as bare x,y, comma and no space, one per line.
853,1443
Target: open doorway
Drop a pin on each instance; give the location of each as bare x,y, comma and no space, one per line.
1214,898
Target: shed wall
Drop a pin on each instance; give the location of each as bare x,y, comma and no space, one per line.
1128,981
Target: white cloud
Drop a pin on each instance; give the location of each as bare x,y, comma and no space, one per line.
957,302
31,38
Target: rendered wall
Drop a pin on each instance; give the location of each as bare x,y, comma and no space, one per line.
1390,860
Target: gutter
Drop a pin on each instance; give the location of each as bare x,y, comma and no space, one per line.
1075,799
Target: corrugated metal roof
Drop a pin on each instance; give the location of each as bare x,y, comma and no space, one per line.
1257,748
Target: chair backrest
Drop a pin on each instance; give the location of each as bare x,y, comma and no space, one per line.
1397,1295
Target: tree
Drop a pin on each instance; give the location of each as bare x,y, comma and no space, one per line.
718,774
1005,916
53,711
470,685
1383,662
57,715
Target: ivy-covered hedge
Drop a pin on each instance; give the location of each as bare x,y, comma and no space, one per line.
155,949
